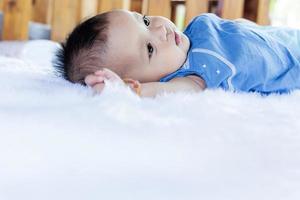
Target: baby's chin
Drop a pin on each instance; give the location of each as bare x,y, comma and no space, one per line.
185,43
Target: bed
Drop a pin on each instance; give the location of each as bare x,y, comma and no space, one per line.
61,141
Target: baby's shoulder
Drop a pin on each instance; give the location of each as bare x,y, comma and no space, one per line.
203,22
205,18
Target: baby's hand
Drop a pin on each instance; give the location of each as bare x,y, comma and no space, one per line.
97,79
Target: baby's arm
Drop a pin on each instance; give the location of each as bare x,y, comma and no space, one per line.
189,83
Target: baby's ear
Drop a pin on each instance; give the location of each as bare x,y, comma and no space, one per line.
94,78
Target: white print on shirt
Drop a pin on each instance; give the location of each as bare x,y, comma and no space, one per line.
224,60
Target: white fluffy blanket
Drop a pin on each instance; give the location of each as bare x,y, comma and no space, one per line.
60,141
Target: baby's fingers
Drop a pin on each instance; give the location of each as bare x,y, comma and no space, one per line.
98,87
110,75
93,79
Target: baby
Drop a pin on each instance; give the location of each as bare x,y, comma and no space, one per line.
153,57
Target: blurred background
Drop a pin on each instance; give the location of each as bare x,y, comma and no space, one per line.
54,19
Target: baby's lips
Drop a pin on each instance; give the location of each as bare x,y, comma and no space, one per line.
177,38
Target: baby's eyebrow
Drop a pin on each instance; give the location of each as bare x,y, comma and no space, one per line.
142,48
136,15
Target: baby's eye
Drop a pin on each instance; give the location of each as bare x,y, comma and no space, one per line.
146,20
150,50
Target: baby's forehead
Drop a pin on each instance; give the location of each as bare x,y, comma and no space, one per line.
120,16
123,37
122,52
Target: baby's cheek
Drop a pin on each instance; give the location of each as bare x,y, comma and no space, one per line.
176,61
185,45
181,56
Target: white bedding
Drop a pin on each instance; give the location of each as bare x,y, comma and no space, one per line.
60,141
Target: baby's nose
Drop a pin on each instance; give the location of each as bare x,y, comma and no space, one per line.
161,32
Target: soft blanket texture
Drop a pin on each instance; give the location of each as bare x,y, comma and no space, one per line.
61,141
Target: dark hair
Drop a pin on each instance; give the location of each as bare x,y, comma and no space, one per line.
84,50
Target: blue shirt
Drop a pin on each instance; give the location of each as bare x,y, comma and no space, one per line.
239,56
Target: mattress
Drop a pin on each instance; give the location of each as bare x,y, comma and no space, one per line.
62,141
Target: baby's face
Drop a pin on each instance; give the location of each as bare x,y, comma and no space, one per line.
145,48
